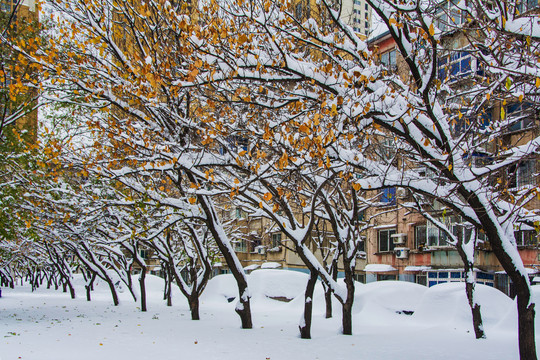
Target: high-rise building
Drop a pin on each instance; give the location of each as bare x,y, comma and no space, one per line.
357,13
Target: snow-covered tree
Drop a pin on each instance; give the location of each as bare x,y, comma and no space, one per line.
327,68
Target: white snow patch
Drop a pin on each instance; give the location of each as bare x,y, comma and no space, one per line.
379,268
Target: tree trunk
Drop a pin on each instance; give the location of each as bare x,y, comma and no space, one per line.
469,289
49,281
114,294
526,313
333,270
194,306
169,285
506,256
305,326
89,287
71,289
166,282
243,308
328,301
142,284
347,306
475,307
476,314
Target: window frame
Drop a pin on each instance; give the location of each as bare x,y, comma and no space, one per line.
274,241
391,58
389,241
525,238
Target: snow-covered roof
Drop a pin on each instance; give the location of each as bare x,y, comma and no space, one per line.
385,226
529,271
417,268
218,264
251,267
270,265
379,268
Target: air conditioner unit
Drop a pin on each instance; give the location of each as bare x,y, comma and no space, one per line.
401,252
401,193
261,250
399,239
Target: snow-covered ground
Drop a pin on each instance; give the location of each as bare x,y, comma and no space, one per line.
47,324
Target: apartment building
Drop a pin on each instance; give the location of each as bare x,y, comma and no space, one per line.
357,13
403,245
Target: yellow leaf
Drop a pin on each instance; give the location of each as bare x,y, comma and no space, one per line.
236,181
261,204
503,113
431,29
537,83
275,208
356,186
267,196
192,200
316,119
242,153
450,167
488,95
303,128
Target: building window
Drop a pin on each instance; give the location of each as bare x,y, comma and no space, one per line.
429,235
144,254
239,213
276,240
525,237
383,277
448,16
362,246
520,116
240,245
526,5
388,59
420,236
361,278
386,242
420,279
388,196
457,65
523,174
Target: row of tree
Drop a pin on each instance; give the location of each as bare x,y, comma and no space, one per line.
290,118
